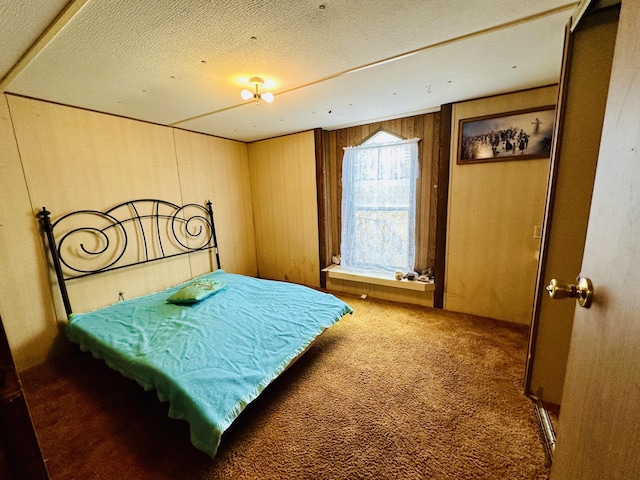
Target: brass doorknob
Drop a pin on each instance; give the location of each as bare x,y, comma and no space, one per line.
583,291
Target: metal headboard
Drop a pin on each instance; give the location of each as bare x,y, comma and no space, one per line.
88,242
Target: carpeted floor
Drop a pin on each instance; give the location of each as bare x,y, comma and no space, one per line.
389,392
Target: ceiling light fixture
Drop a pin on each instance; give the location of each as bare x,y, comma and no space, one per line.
257,83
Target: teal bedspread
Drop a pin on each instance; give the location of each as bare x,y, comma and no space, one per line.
211,359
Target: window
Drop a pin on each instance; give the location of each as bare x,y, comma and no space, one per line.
379,204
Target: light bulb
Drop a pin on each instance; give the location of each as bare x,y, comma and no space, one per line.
267,97
246,94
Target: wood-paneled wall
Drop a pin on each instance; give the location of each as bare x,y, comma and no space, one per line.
217,169
67,159
283,179
494,209
427,128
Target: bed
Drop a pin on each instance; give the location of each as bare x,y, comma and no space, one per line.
208,345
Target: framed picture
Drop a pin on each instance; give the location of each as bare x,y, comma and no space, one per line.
520,135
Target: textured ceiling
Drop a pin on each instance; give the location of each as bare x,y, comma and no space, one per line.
329,63
21,23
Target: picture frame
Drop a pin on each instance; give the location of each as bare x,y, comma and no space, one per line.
517,135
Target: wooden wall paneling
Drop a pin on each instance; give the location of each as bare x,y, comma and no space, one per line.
421,126
331,190
341,142
494,207
282,172
355,135
412,130
26,308
439,220
75,159
492,253
349,139
410,126
321,194
217,169
435,184
325,239
394,125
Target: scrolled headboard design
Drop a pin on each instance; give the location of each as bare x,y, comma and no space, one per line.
88,242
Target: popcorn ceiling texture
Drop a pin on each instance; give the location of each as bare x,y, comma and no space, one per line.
21,23
168,61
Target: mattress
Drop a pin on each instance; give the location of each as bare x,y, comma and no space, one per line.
209,359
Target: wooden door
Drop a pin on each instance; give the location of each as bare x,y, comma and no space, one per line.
583,95
599,430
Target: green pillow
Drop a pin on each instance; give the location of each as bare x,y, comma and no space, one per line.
196,291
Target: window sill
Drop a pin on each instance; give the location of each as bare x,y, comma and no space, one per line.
337,272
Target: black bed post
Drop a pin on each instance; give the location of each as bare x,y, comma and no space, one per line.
46,223
213,232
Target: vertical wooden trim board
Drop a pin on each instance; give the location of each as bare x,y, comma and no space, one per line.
325,259
439,227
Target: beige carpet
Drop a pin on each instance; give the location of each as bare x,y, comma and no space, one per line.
389,392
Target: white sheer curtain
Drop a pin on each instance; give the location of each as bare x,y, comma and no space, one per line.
379,207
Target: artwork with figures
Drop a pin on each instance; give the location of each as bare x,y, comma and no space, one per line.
513,136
